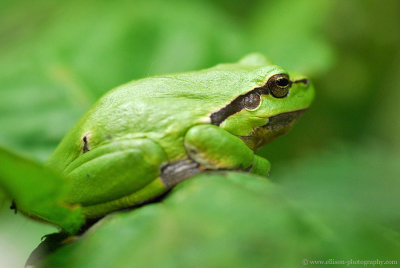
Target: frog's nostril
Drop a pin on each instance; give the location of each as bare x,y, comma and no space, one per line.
304,81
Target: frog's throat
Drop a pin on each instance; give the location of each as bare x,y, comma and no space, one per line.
284,119
277,125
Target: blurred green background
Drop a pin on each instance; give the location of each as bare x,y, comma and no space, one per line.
57,58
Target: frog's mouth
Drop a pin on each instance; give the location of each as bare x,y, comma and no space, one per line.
277,125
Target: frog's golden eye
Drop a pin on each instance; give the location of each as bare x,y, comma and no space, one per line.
252,101
279,85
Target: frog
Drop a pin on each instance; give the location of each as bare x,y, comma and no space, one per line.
144,137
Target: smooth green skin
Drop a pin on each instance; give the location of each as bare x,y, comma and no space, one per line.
135,129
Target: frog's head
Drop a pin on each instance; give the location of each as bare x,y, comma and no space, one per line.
269,109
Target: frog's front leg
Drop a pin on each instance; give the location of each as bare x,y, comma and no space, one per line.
215,148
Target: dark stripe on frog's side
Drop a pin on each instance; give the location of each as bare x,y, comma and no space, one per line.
235,106
238,104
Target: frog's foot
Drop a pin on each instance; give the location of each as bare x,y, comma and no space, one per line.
176,172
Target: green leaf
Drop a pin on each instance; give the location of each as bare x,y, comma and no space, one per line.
212,220
327,207
37,191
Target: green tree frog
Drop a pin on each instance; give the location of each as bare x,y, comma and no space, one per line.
144,137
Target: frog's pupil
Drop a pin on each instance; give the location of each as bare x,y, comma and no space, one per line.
282,82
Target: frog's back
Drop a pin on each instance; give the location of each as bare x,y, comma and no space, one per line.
161,108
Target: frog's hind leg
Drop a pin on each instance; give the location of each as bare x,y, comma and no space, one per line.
171,175
148,193
116,175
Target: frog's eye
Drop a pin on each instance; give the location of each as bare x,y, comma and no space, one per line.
279,85
252,101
